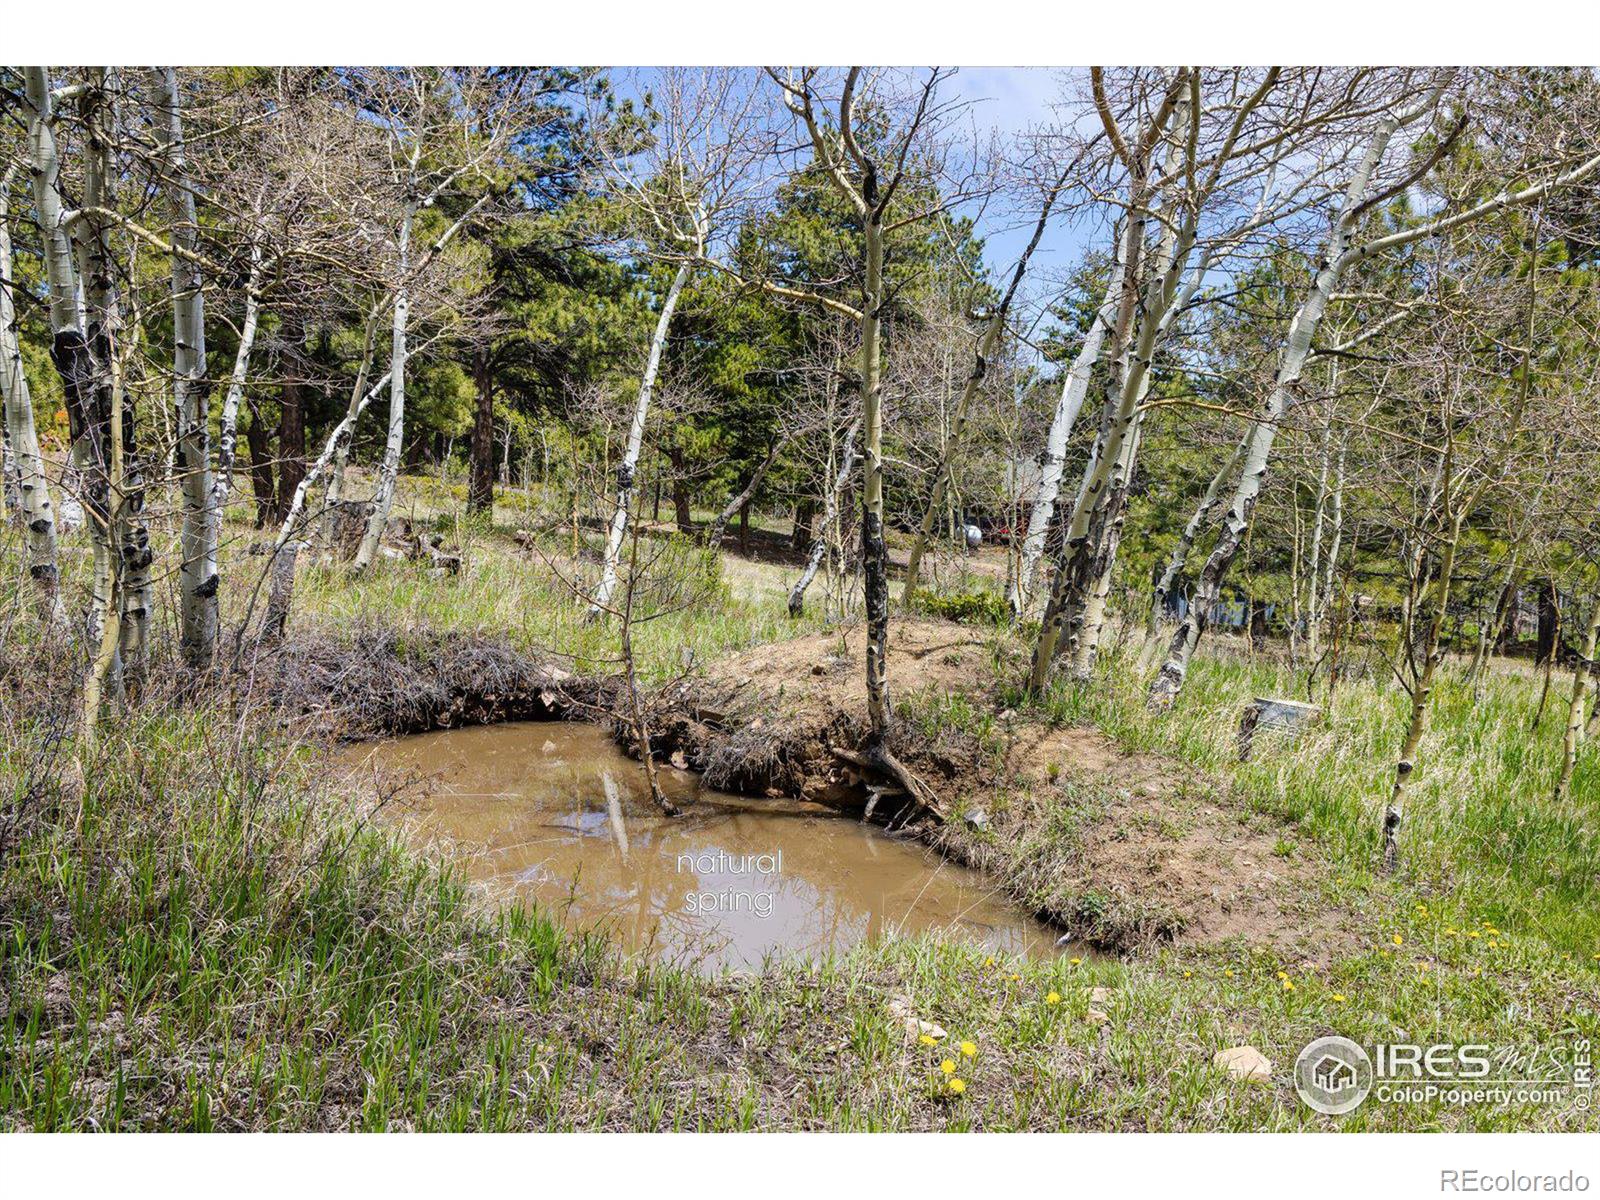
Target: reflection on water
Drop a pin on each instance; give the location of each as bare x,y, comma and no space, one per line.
555,812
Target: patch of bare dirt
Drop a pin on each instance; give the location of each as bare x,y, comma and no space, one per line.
1122,849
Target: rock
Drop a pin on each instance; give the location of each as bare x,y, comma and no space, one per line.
548,747
977,819
1100,996
678,760
900,1008
1244,1062
1095,1017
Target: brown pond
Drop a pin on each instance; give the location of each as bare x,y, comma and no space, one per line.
556,813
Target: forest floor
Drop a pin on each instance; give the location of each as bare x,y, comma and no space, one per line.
206,933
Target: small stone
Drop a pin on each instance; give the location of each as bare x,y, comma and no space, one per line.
1100,996
917,1028
1244,1062
977,819
1095,1017
549,747
678,760
1064,940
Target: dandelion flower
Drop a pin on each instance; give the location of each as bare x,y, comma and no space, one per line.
1283,974
958,1086
969,1049
1473,933
1188,974
1015,977
1053,998
1494,945
1288,985
1077,962
927,1039
988,962
1338,998
1398,940
1228,972
948,1067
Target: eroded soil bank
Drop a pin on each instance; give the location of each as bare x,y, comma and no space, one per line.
1121,850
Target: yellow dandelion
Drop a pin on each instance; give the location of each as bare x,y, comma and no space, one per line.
1283,974
988,962
948,1067
957,1086
1077,962
1015,977
1493,945
927,1039
1053,998
1228,971
1338,998
970,1049
1398,940
1422,966
1473,933
1288,985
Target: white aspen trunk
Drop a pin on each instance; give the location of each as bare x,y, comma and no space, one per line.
389,470
988,342
874,551
1051,463
1169,680
830,513
197,568
1091,619
1191,530
1573,738
630,457
84,373
341,454
1313,604
1336,521
22,439
228,424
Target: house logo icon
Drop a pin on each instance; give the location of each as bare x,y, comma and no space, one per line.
1333,1075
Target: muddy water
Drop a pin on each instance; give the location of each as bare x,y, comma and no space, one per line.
556,813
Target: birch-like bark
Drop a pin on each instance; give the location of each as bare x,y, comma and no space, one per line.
628,467
1191,530
22,439
1337,257
228,425
389,470
874,551
830,514
1582,669
1107,538
197,569
84,372
983,354
1070,403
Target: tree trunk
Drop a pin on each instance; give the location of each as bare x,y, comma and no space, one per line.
1179,557
255,438
80,348
389,470
1421,691
1581,671
874,551
819,547
480,489
191,389
228,425
32,486
630,458
291,421
740,502
1051,463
